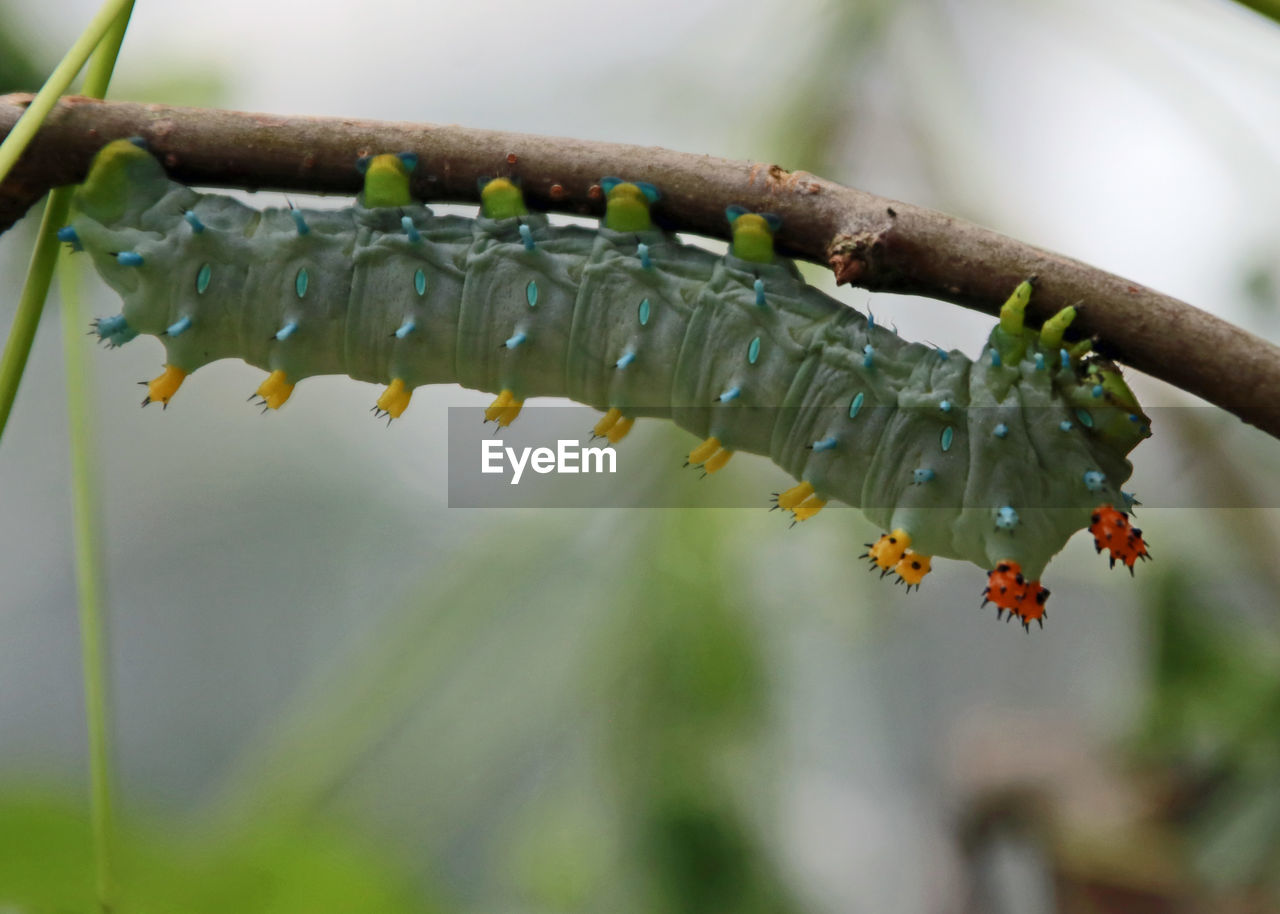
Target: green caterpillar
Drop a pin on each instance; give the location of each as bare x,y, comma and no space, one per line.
997,461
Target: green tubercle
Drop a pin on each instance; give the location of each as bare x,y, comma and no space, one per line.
752,234
626,206
119,175
1008,338
386,180
1054,327
501,199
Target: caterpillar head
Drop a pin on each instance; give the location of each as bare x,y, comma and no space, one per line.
627,204
123,181
386,179
752,234
501,198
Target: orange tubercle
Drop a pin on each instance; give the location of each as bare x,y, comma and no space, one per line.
1008,589
1111,530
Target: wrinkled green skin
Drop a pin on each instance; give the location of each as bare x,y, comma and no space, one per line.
703,317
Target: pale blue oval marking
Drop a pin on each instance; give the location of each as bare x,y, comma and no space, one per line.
945,406
856,405
301,281
531,293
753,351
1006,518
1085,419
420,282
644,312
1001,431
1066,425
948,435
202,279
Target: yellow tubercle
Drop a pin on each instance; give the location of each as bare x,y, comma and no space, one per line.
809,507
717,461
504,409
620,429
498,406
703,452
395,399
275,390
162,389
790,499
607,421
912,568
887,551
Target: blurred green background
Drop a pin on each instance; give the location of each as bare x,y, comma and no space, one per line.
334,693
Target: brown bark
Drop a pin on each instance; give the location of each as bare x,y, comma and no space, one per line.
872,242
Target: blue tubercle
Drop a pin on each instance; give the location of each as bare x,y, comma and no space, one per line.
519,337
826,443
921,475
299,222
406,328
115,330
1039,361
1064,357
129,259
730,394
642,251
868,355
1006,518
68,234
1094,481
179,326
1066,425
286,331
759,287
1001,431
995,359
526,235
194,221
945,406
942,353
627,358
406,223
1097,390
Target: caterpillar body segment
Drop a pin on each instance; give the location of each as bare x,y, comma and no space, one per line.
996,460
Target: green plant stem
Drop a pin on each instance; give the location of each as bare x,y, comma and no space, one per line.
1268,8
87,525
105,32
60,80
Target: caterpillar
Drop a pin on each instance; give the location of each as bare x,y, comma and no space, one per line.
997,460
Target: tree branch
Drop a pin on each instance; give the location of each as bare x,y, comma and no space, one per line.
873,242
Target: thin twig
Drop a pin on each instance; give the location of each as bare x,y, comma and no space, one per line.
873,242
